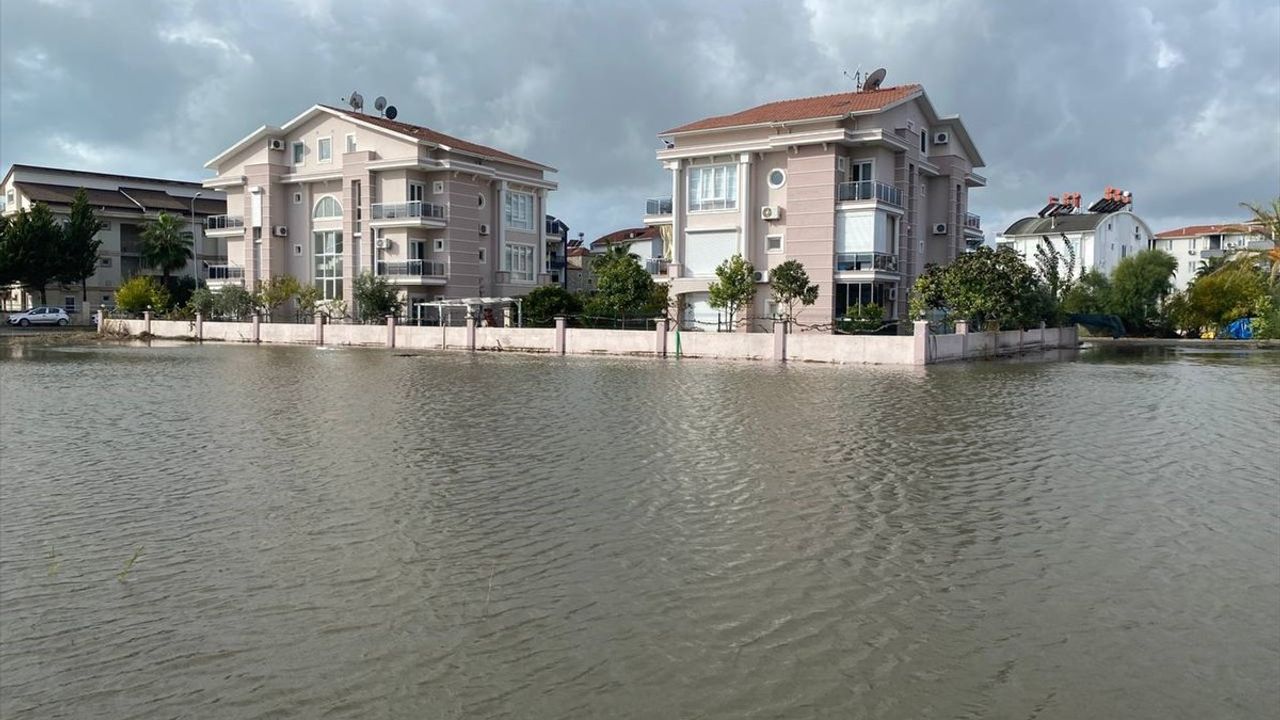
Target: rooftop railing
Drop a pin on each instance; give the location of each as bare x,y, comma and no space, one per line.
869,190
415,209
846,262
223,222
972,221
227,271
412,268
657,266
658,206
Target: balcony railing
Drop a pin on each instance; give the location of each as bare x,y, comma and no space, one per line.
228,271
412,268
657,266
408,210
846,262
658,206
869,190
223,222
972,221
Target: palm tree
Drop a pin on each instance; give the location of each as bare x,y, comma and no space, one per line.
1268,220
1211,265
164,245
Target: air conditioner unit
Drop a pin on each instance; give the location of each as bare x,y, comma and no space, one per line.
380,244
280,231
939,228
770,212
761,276
484,228
275,144
941,138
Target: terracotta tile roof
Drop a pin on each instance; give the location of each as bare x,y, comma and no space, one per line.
805,108
1198,230
432,136
627,235
578,252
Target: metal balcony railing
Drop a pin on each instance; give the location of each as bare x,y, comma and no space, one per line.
846,262
869,190
411,210
972,221
226,271
657,266
658,206
412,268
223,222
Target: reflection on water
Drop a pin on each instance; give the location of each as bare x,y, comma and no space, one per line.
356,533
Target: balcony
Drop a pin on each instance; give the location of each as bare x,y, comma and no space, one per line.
869,190
223,225
972,223
414,272
866,262
217,275
657,266
657,207
407,214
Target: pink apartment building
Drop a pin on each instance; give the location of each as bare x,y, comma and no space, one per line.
334,193
864,188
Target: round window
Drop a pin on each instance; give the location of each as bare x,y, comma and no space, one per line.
777,177
480,199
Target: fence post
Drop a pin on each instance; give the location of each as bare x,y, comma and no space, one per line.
660,341
319,329
920,348
200,326
391,331
257,327
146,320
471,331
562,324
780,328
962,329
102,318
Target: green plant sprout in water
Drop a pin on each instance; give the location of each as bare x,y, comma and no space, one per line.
128,564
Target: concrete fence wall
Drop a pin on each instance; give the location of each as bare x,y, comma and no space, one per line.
922,348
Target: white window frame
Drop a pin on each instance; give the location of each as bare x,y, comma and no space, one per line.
519,210
320,144
781,243
337,203
437,245
104,262
480,201
780,183
299,158
518,262
724,198
410,186
297,198
437,187
482,256
859,163
351,142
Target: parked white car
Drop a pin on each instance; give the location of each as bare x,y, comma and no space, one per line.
40,316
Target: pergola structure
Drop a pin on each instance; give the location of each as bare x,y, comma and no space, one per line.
470,307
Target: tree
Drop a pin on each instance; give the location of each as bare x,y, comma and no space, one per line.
165,246
1215,300
790,286
80,244
375,298
986,287
1091,295
141,292
1050,262
863,319
544,303
31,242
1211,265
309,297
276,292
202,301
1139,284
733,289
623,287
1268,219
233,302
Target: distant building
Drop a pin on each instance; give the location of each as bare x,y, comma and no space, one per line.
1194,244
557,243
579,275
1099,238
125,203
646,243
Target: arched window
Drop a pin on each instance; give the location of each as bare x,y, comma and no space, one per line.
327,208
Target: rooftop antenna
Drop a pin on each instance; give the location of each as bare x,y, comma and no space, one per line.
856,77
873,80
380,104
356,101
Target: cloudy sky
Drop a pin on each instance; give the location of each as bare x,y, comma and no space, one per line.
1177,101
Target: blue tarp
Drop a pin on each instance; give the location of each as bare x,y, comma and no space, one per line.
1241,329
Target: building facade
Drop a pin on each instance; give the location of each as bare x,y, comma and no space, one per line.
863,188
1098,238
336,193
1195,244
125,204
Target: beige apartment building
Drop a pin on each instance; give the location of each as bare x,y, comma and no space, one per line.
125,204
864,188
334,193
1193,245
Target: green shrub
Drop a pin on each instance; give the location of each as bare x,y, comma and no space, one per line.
202,301
141,292
863,319
375,298
234,303
543,304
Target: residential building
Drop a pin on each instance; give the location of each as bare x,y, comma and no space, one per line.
125,204
334,193
557,245
1098,238
646,243
579,275
1195,244
864,188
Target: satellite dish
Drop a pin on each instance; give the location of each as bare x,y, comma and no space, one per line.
391,112
873,80
380,103
356,101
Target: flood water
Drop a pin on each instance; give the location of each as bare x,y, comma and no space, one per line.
249,532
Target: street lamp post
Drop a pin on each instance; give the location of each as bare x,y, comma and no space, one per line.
195,244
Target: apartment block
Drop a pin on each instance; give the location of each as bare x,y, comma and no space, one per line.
125,204
1098,237
1195,244
864,188
334,193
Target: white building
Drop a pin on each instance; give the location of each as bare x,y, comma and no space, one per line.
1100,237
1194,244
